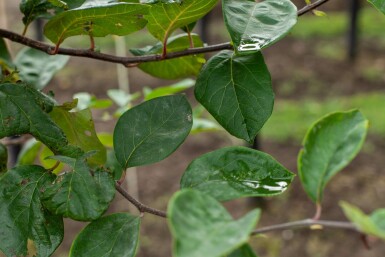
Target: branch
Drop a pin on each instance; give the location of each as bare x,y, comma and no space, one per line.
127,61
307,223
140,206
311,7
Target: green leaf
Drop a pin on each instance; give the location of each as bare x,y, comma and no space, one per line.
168,90
234,172
3,159
98,19
237,91
113,235
329,145
81,194
4,52
256,25
29,152
378,4
80,131
372,225
244,251
201,226
173,68
59,3
153,130
22,215
24,111
204,125
33,9
37,68
165,18
113,165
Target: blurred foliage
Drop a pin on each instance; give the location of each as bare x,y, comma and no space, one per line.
291,119
336,24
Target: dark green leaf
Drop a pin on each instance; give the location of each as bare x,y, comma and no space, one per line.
329,145
244,251
59,3
372,225
113,235
256,25
201,226
3,159
22,215
188,28
164,18
37,68
379,4
33,9
235,172
24,111
237,91
174,68
81,194
153,130
5,56
98,19
113,165
168,90
80,131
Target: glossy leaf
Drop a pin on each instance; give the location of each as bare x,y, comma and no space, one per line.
256,25
37,68
379,4
98,19
201,226
234,172
372,225
81,194
80,131
24,111
329,145
113,235
244,251
3,159
153,130
165,18
22,215
237,91
168,90
173,68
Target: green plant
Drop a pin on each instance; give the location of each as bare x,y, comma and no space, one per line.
235,88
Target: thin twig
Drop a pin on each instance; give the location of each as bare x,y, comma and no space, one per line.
311,7
307,223
127,61
140,206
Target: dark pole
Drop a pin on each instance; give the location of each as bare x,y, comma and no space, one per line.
353,29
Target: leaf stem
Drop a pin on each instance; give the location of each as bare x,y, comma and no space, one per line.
140,206
318,212
306,223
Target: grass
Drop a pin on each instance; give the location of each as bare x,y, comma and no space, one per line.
336,24
291,119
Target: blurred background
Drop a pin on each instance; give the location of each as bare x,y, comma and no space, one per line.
325,64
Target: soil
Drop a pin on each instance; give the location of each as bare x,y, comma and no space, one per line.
361,183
